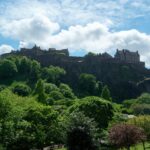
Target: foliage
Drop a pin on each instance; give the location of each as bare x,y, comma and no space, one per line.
53,74
124,135
21,89
56,95
49,87
142,122
2,87
36,102
25,123
8,69
81,132
24,65
10,117
94,107
39,90
34,71
141,109
44,125
106,93
139,106
66,91
87,84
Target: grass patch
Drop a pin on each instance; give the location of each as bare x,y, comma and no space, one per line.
140,147
136,147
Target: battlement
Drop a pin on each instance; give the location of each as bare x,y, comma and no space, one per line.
37,51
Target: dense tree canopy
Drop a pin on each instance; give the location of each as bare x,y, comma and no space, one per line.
81,132
8,69
94,107
39,106
87,84
21,89
53,74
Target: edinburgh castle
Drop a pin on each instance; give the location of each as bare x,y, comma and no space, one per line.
61,57
124,70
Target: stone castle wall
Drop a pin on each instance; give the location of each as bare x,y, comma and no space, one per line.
61,57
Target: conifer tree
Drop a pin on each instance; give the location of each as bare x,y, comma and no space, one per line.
39,90
106,93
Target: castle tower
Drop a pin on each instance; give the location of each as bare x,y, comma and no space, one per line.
127,56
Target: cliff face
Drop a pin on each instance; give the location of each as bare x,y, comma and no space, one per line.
144,85
120,75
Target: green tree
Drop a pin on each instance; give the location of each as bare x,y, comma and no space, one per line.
81,132
106,93
99,88
87,84
142,122
49,87
94,107
10,116
66,91
8,69
21,89
141,109
44,125
53,74
34,71
39,90
56,95
25,65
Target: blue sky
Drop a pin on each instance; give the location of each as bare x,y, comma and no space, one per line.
80,25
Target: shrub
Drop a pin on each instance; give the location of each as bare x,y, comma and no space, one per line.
21,89
141,109
66,91
49,87
97,108
8,68
81,132
56,95
142,122
124,135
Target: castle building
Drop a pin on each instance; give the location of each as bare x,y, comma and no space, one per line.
127,56
61,57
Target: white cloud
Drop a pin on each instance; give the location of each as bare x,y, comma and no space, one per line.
72,12
76,25
95,37
5,49
32,29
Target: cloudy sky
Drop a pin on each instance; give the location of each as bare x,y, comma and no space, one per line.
79,25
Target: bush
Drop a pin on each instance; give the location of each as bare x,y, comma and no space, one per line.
8,68
87,84
97,108
81,132
66,91
53,74
56,95
2,87
49,87
21,89
139,106
142,122
141,109
124,135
